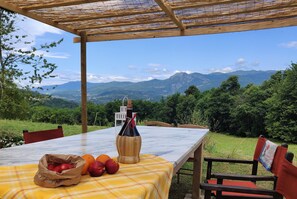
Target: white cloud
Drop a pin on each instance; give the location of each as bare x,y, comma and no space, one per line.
154,65
222,70
291,44
56,55
34,30
183,71
240,62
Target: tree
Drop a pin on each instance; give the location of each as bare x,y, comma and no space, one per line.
111,108
193,90
168,109
281,119
185,109
14,58
220,104
249,113
231,85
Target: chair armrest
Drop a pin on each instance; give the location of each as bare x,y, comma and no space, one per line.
211,160
228,160
243,177
215,187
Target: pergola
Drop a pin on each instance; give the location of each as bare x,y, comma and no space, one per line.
105,20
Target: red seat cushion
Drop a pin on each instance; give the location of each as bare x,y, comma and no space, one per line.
236,183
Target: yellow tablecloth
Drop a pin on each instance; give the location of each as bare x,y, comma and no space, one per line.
149,179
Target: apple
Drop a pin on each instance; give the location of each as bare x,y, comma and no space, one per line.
111,166
96,169
51,167
66,166
58,169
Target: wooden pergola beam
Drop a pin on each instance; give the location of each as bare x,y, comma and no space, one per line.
198,31
236,21
201,4
166,8
122,24
132,30
245,11
58,4
38,18
101,16
83,73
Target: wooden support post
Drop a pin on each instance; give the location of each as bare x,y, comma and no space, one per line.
197,171
83,71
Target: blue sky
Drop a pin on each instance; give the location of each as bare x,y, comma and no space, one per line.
145,59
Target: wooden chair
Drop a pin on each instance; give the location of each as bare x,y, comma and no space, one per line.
185,171
244,180
286,185
37,136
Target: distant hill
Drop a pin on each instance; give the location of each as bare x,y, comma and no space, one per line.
154,89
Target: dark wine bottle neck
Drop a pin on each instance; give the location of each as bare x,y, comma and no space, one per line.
129,112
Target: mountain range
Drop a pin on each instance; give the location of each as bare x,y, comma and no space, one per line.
153,89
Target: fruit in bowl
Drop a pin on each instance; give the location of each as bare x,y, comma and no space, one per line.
96,169
60,167
111,166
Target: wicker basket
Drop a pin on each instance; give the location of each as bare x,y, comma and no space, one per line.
128,148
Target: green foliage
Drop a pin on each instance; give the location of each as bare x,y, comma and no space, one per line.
249,113
281,120
8,139
185,109
12,56
220,104
168,109
19,62
146,110
192,90
111,108
14,103
49,101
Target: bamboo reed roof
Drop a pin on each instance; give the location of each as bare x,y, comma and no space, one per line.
104,20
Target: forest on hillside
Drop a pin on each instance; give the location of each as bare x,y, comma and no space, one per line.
268,109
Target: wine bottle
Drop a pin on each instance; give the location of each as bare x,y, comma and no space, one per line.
128,141
129,127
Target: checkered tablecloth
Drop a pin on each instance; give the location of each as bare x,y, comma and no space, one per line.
149,179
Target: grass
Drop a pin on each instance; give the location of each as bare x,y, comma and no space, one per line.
224,146
16,127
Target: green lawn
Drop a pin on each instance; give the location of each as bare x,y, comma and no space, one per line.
16,127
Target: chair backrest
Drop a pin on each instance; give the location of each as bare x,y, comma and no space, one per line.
279,155
287,179
37,136
259,147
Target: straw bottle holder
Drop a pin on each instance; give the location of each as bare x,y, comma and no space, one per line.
129,140
128,148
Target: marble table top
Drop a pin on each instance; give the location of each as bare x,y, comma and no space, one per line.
173,144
